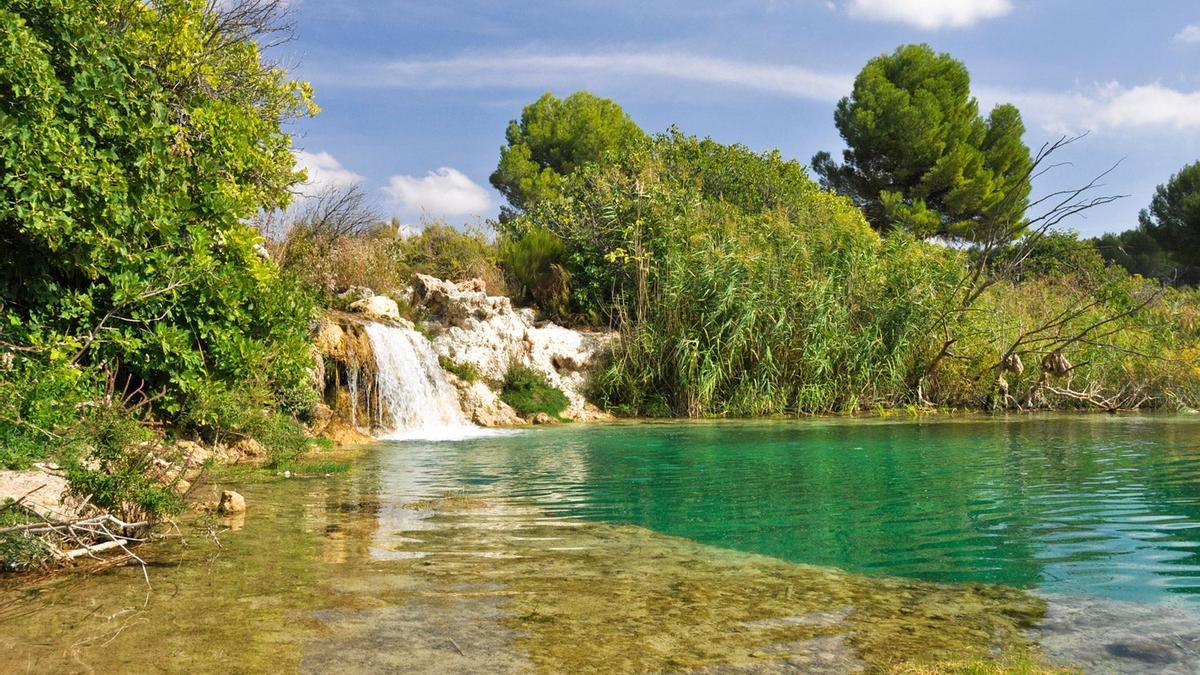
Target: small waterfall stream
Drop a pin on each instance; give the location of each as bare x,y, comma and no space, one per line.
412,397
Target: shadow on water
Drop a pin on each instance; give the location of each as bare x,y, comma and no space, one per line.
671,547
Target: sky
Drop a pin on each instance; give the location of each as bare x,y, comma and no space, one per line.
416,95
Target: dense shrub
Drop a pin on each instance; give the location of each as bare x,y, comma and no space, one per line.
535,261
136,140
742,288
385,258
529,394
767,314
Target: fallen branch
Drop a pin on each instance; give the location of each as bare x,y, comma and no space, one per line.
98,548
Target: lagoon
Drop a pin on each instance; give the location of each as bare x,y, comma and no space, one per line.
818,545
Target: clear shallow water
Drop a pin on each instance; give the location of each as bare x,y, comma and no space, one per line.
539,568
1079,505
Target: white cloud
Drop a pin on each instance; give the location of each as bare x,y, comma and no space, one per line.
324,171
1189,34
444,192
545,70
1110,106
929,14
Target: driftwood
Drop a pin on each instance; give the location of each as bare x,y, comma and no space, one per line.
68,540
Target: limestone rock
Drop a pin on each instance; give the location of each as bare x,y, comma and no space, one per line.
231,503
192,452
249,451
342,434
490,334
329,337
542,418
355,293
482,405
42,490
377,307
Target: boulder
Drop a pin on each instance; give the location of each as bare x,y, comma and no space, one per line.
378,307
355,293
43,491
249,451
231,503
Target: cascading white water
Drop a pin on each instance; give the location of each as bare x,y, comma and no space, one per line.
414,399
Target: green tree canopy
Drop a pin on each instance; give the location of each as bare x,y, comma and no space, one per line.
136,140
1173,218
552,139
921,157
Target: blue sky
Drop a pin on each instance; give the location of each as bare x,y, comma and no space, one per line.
416,95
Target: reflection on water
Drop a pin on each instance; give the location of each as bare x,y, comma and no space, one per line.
506,554
1092,505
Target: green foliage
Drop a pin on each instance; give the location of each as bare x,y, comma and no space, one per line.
611,217
767,314
66,413
555,137
1055,254
733,174
1138,253
921,157
1173,220
1153,353
131,152
535,260
528,393
114,469
136,141
1164,245
741,288
466,371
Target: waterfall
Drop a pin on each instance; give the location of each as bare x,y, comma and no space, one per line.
412,397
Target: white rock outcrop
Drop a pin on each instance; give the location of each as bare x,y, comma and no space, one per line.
487,332
377,307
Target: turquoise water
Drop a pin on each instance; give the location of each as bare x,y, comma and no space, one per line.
1092,505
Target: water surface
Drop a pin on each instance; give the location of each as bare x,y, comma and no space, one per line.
1091,505
810,546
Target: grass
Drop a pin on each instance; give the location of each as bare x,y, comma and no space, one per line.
20,551
529,394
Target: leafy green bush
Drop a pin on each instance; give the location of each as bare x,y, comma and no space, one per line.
528,393
466,371
136,142
113,466
134,153
535,259
769,314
